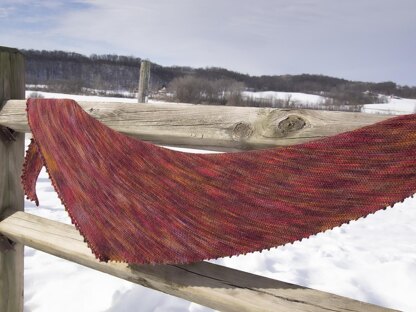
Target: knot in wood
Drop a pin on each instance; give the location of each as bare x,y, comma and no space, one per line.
241,131
290,124
276,127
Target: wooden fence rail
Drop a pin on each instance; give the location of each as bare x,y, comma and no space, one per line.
208,126
211,285
211,127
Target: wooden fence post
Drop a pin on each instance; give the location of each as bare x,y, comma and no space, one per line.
12,86
144,81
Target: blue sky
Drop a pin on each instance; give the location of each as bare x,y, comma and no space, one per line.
369,40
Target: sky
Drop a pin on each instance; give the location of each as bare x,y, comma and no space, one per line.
367,40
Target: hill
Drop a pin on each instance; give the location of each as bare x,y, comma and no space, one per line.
70,72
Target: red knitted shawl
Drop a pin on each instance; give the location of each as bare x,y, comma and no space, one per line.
140,203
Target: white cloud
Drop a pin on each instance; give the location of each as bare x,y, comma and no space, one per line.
357,39
5,12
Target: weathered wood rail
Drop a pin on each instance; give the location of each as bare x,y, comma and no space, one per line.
211,127
212,285
208,126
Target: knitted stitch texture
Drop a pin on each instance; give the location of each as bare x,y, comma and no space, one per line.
139,203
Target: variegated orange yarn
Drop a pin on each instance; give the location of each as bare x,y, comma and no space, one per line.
136,202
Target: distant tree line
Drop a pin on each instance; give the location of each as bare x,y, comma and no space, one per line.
76,73
197,90
71,72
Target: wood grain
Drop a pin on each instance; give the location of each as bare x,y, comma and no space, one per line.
205,283
12,85
143,89
210,127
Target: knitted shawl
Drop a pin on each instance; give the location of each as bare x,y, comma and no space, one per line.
140,203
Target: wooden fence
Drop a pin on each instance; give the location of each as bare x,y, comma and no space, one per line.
213,127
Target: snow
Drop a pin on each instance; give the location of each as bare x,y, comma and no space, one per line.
87,98
372,259
36,86
101,92
394,106
294,97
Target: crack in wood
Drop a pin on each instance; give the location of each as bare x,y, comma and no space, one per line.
257,290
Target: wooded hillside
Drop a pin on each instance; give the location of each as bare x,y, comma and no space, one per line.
73,73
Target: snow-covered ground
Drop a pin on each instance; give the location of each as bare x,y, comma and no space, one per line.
394,106
372,259
91,98
294,97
